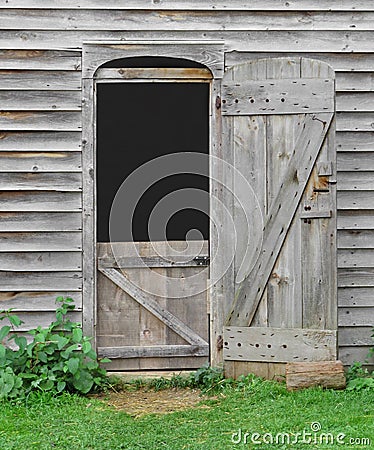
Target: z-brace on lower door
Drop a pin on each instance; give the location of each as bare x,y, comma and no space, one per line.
152,182
278,116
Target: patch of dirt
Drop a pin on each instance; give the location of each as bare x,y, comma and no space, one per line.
145,401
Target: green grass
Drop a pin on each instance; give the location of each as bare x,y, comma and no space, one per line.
72,422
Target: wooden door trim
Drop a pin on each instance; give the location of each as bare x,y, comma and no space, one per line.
95,54
150,74
208,53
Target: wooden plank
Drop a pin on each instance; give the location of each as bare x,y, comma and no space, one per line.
40,141
40,100
326,374
35,120
356,258
177,251
277,226
152,330
106,19
358,121
355,336
348,141
40,201
352,181
356,239
62,182
356,316
318,249
269,371
39,60
152,261
151,305
258,41
188,363
285,96
298,5
356,296
117,317
36,301
40,281
44,319
355,81
40,261
190,306
170,250
88,209
39,162
318,245
278,344
39,80
284,286
208,53
150,73
154,351
340,62
40,221
47,241
355,200
350,355
221,284
355,161
247,142
356,277
316,215
319,283
356,101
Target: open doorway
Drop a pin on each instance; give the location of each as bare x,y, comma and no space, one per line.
153,315
136,123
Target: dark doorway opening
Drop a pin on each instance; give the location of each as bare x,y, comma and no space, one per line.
140,121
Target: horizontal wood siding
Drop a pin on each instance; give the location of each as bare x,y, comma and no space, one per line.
254,5
40,182
40,121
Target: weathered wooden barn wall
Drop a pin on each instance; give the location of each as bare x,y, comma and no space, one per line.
40,122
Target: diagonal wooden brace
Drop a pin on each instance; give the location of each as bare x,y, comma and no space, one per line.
148,302
279,218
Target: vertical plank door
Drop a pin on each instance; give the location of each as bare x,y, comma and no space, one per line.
281,114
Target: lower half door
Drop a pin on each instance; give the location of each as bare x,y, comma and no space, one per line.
152,305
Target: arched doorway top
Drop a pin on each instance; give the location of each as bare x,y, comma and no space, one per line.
209,54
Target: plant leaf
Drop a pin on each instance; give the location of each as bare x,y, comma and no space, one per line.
84,383
21,341
77,334
61,341
42,356
73,365
105,360
86,347
15,320
4,331
61,386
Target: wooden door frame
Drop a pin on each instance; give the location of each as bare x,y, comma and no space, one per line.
95,54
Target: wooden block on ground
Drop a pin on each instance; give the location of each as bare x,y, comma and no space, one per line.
328,374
